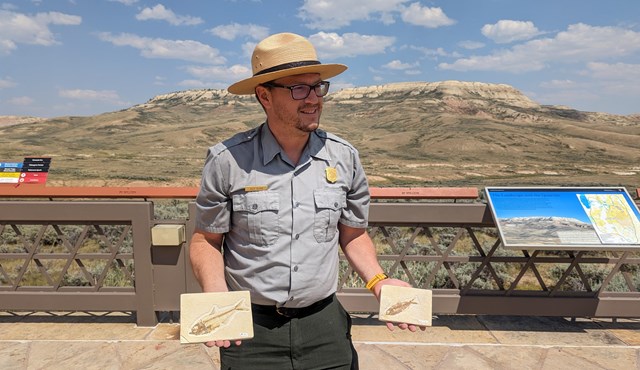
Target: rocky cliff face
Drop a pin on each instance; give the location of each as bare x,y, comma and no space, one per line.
481,100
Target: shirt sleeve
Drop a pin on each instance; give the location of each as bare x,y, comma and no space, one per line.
213,205
356,212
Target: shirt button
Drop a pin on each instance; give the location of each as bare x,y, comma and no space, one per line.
335,204
297,204
255,206
297,236
295,269
291,299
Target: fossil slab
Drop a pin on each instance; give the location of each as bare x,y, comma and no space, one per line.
215,316
405,305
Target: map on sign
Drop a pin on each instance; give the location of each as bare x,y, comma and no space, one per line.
612,218
565,218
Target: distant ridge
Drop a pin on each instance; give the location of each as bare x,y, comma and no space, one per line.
499,101
447,133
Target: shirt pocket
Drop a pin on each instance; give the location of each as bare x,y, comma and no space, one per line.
329,205
256,214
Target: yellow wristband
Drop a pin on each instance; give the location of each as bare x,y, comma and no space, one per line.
375,280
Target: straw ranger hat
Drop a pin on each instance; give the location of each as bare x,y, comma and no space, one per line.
280,55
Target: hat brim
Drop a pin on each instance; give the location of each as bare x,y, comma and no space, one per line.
248,86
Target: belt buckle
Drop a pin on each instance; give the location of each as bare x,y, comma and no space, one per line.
285,311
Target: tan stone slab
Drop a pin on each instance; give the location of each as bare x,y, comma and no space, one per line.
559,358
164,355
165,332
466,358
73,355
604,358
14,355
627,330
215,316
405,305
71,331
444,329
548,331
512,357
389,356
630,337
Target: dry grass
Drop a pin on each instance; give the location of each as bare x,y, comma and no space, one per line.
404,140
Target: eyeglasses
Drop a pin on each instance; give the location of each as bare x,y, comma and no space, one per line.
302,91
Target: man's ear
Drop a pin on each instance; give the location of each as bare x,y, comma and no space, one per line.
264,96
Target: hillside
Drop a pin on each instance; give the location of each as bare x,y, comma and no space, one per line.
422,134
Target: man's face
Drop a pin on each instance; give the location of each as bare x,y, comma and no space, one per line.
302,115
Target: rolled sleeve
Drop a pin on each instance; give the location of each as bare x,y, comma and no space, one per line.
213,205
356,212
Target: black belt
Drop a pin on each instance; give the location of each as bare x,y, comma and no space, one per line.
292,312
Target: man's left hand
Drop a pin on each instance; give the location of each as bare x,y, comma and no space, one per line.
377,289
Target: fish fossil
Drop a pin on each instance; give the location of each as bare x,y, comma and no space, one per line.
210,322
400,307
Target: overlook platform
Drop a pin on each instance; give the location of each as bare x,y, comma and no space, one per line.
39,340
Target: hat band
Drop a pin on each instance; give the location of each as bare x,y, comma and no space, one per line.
288,66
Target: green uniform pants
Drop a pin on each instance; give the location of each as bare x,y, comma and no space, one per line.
319,340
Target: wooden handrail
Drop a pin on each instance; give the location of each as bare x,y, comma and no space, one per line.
27,191
424,193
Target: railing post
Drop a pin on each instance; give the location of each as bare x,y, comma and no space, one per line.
145,307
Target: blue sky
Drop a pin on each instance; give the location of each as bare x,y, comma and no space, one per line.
85,57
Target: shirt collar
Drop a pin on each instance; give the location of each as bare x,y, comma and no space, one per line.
315,146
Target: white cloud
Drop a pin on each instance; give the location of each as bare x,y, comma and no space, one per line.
506,31
619,79
400,66
616,71
18,28
6,83
125,2
419,15
580,43
471,45
194,84
435,53
334,14
559,84
188,50
247,48
21,100
159,12
332,45
95,95
235,30
233,73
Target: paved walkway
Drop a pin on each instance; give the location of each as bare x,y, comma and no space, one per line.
81,341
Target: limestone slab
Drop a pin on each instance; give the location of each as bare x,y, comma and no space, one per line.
13,355
444,329
405,305
548,331
69,331
215,316
73,355
391,356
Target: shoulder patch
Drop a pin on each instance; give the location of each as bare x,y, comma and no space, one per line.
236,139
332,137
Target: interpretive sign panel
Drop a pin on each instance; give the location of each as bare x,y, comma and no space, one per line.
33,170
565,218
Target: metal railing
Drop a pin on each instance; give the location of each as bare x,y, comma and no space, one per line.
92,251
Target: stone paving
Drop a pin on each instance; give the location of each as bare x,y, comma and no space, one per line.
113,341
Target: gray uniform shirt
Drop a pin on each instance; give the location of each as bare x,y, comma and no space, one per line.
280,220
